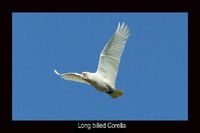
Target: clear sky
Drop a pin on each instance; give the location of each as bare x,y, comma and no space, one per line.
152,74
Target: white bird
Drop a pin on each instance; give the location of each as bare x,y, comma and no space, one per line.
104,78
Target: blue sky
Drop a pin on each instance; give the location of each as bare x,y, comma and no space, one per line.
152,74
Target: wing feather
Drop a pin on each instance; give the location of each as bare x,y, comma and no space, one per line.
111,54
71,76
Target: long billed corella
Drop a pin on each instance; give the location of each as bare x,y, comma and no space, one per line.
104,78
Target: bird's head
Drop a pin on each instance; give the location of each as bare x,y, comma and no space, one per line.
87,76
84,75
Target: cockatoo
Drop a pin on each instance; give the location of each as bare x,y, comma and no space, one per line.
104,78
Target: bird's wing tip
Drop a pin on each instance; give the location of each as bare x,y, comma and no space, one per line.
56,72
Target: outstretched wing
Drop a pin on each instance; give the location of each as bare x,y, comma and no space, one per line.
110,56
71,76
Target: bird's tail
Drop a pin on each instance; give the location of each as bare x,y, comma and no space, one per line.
116,93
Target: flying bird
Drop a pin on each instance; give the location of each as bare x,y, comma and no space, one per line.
104,78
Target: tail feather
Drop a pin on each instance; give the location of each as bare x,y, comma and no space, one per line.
116,93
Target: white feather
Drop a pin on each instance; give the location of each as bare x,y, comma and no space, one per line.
111,54
71,76
56,72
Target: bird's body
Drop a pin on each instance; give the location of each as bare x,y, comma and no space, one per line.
104,78
98,82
